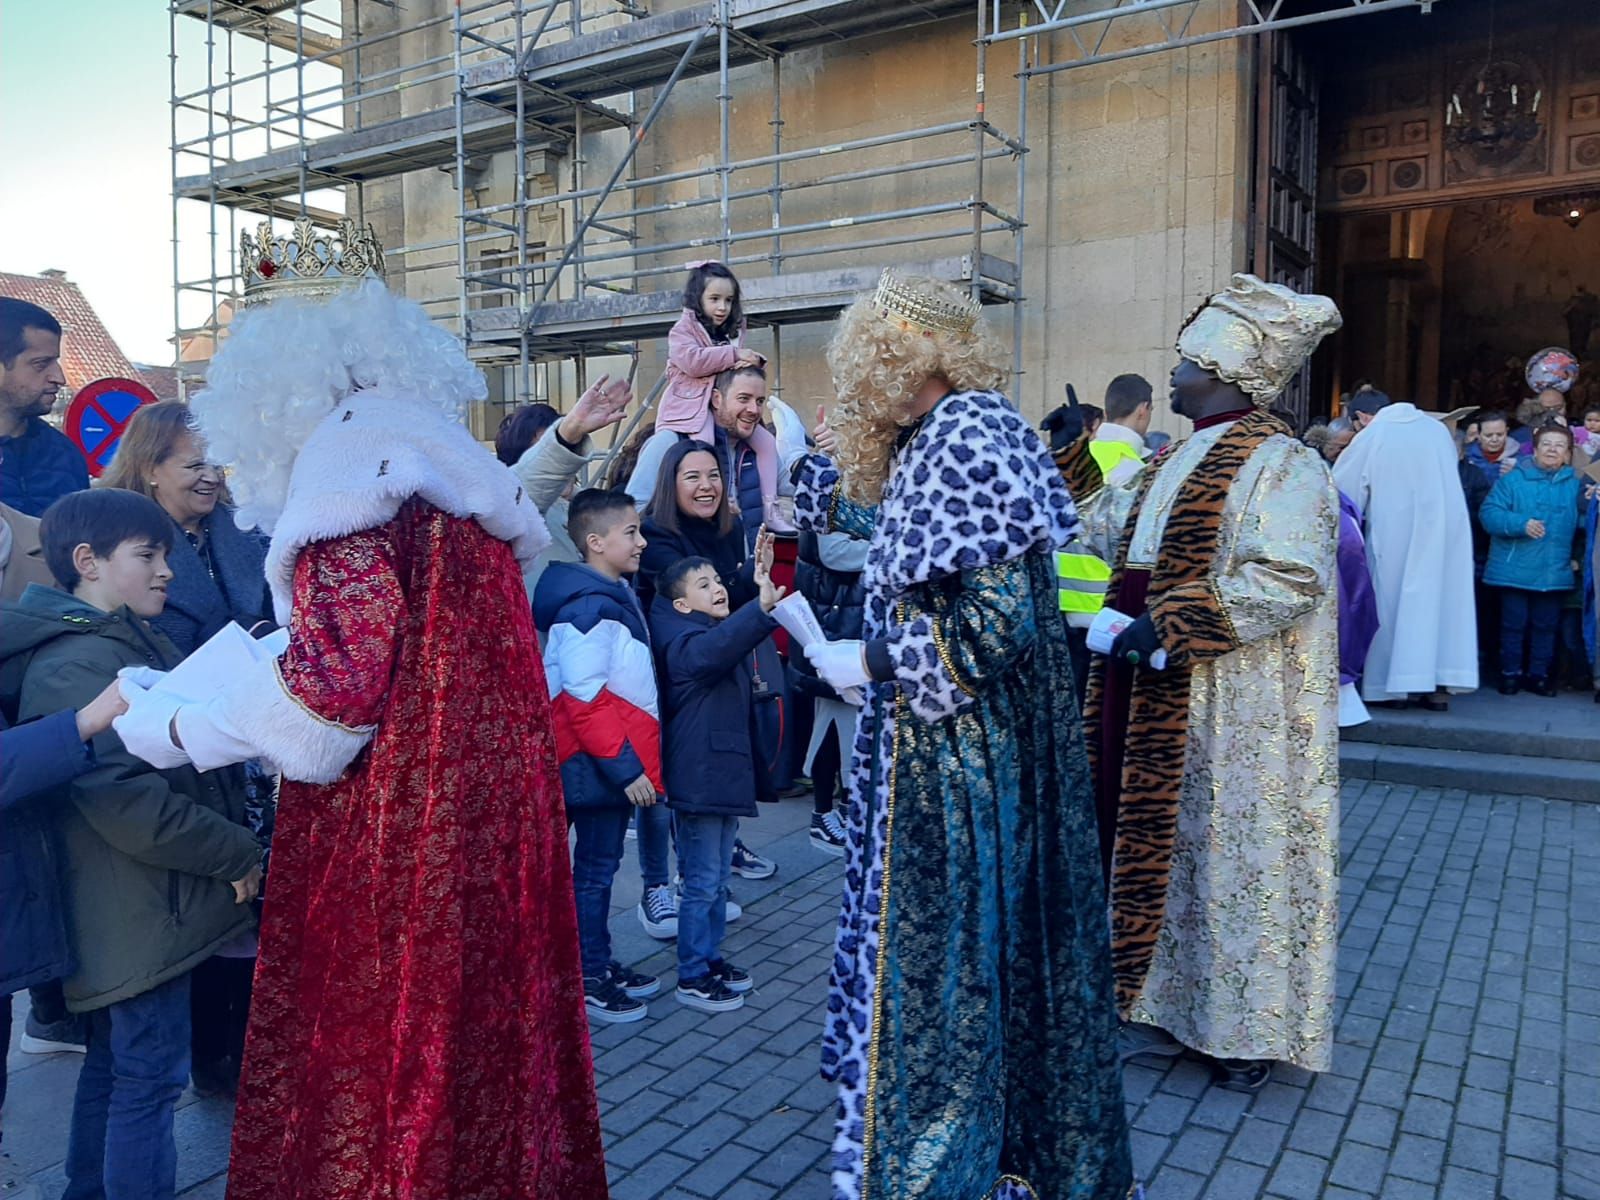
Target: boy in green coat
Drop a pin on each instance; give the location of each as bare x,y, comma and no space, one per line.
159,866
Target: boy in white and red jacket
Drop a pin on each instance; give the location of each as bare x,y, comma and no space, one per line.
608,736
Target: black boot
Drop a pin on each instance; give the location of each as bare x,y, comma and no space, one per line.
1509,685
1540,686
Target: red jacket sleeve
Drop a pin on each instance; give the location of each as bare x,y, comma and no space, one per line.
344,637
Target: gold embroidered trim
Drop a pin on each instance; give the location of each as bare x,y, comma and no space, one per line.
356,730
1227,617
1014,1180
833,504
870,1120
949,660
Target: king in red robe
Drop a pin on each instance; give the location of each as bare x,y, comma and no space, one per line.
418,1028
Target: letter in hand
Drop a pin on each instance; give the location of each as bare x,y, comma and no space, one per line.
96,716
146,727
248,888
1534,529
765,554
641,792
604,403
841,665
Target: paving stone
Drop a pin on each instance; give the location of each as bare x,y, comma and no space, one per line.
1372,1125
1164,1114
1235,1179
788,1162
1427,1116
1475,1149
718,1172
1359,1167
1416,1157
1461,1184
1173,1184
1317,1132
1258,1142
1531,1138
1198,1149
658,1173
1220,1109
1298,1176
1330,1093
1529,1180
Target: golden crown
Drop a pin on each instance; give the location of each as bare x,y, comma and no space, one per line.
898,299
307,263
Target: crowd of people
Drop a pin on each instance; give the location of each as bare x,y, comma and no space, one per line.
1073,726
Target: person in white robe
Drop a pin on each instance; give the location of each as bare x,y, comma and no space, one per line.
1401,472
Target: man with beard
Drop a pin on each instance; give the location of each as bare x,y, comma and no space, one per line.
1217,767
418,1028
38,464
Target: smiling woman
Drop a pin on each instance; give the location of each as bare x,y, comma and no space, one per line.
218,569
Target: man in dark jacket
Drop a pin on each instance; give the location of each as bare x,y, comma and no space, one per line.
159,864
38,464
715,772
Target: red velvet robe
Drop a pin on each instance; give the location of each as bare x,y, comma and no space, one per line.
418,1028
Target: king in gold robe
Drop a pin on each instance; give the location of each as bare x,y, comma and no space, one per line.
1220,772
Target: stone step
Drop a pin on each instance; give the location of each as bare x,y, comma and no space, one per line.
1554,778
1561,727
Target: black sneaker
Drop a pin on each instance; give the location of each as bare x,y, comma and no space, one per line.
658,912
636,983
750,865
66,1036
609,1003
1510,685
708,994
1542,687
732,977
827,832
217,1078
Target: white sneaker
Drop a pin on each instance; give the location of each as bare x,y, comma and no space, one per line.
733,913
658,912
827,832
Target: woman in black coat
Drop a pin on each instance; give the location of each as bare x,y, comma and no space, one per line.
689,517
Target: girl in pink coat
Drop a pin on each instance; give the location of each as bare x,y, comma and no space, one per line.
708,340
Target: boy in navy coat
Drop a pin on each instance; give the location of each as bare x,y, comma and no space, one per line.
714,770
608,737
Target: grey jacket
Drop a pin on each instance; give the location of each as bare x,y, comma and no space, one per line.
546,469
148,855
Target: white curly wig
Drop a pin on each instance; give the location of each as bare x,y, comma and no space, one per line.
286,366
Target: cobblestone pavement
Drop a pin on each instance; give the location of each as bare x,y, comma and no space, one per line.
1467,1064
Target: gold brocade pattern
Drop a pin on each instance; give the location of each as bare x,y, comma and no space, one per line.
870,1123
1244,962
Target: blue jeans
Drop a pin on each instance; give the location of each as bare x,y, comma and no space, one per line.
654,827
705,856
1532,615
595,859
121,1144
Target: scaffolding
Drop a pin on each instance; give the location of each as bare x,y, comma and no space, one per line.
570,243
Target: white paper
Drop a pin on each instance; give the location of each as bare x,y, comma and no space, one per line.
795,614
227,655
1108,623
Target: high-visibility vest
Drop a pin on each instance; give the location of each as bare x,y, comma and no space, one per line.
1081,578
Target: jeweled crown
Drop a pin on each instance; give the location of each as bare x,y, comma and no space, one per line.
307,263
898,299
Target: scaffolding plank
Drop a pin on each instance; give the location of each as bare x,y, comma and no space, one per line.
567,326
602,63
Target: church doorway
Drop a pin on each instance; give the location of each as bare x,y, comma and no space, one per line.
1458,198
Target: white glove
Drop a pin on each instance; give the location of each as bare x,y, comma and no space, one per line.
143,678
790,432
145,729
840,664
212,737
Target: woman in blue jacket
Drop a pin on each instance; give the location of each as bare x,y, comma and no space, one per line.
1531,516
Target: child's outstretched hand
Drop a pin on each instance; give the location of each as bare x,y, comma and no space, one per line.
765,554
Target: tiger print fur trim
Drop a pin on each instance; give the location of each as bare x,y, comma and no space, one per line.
1184,604
1079,471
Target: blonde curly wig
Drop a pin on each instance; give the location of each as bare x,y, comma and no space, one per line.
878,367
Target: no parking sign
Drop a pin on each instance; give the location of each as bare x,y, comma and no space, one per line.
99,413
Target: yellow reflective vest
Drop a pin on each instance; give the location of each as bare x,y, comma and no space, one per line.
1081,578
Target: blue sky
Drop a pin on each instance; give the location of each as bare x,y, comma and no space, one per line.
87,171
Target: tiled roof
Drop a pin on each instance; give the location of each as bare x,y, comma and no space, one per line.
163,381
88,351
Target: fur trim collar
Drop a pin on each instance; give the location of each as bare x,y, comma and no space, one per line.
973,487
372,454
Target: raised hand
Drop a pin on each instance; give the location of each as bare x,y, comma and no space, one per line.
765,555
827,441
604,403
